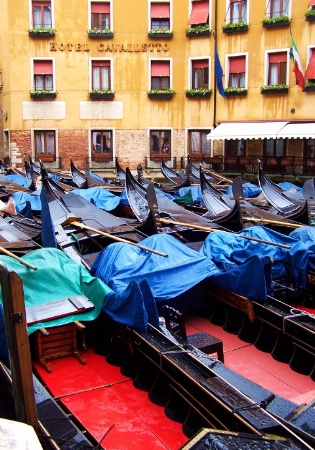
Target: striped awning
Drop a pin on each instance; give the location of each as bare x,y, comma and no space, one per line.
298,131
246,130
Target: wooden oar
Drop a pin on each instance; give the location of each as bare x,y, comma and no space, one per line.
275,222
216,175
200,227
118,239
25,263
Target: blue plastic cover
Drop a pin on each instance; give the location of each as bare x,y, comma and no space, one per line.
249,189
20,199
100,197
228,250
119,264
195,191
18,179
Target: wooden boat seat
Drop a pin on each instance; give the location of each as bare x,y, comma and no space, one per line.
204,342
59,341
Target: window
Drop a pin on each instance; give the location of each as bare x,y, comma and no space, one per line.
160,75
45,145
41,14
237,72
199,15
237,11
160,16
309,148
274,147
160,144
277,68
235,147
310,71
102,144
277,8
43,75
198,145
200,74
101,75
100,16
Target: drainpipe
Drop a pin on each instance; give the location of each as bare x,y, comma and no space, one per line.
215,75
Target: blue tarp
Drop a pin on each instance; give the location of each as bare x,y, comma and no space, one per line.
100,197
18,179
249,189
228,250
20,199
287,186
119,264
195,191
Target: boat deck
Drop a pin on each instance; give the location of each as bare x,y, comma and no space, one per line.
119,416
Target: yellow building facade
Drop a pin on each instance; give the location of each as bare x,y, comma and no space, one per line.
92,80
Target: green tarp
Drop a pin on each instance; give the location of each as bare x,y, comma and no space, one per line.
57,277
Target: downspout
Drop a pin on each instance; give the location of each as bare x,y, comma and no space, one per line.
215,74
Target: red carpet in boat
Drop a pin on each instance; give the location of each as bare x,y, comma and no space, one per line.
257,366
106,403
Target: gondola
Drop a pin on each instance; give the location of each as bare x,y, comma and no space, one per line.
178,179
193,388
120,173
277,198
212,177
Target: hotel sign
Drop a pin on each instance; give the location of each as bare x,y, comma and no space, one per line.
105,47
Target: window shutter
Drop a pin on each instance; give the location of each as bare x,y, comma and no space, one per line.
237,65
277,57
199,13
160,10
160,69
43,67
310,71
100,7
200,64
100,63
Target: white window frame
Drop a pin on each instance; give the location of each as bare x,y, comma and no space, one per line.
44,129
278,50
289,8
113,130
110,12
30,11
228,2
189,71
112,88
170,60
227,66
210,11
187,129
32,70
160,1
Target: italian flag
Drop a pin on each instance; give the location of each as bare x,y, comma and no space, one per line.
300,80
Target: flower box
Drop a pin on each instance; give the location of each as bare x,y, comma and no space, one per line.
234,28
38,95
309,89
276,90
41,32
198,93
100,34
160,95
310,17
281,21
192,33
160,34
102,96
232,92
